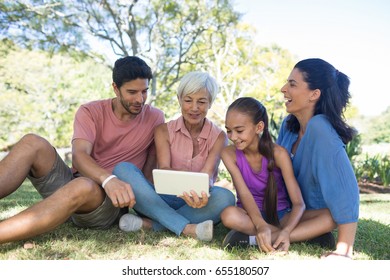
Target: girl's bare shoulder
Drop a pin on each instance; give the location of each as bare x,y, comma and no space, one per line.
280,152
229,150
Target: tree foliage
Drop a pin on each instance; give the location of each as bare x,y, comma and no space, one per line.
244,68
40,93
166,33
378,129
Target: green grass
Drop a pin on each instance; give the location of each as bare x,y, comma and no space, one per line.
70,242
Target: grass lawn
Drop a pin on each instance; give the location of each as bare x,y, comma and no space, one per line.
69,242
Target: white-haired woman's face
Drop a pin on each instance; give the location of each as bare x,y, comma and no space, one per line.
194,107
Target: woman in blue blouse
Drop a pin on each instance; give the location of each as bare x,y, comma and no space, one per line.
315,134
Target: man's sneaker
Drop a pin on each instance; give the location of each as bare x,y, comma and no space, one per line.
325,241
130,222
235,239
204,231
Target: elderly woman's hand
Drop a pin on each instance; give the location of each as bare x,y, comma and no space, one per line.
194,200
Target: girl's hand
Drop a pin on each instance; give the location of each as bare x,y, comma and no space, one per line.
263,238
194,200
282,243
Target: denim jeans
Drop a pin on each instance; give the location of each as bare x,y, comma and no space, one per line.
168,211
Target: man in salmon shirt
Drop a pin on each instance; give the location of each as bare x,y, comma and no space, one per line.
106,132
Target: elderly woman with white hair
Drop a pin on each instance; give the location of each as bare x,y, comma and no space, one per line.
189,143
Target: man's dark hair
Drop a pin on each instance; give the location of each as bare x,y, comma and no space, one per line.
130,68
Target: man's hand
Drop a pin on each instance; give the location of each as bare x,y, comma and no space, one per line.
120,193
194,200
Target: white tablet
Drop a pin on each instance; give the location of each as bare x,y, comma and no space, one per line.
176,182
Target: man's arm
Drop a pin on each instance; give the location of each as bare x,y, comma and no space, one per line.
118,191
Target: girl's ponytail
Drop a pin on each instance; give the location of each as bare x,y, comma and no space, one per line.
266,148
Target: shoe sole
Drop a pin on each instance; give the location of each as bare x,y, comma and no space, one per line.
235,239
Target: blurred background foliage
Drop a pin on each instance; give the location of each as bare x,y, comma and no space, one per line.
40,92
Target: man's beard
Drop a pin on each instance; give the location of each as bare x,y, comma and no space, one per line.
127,106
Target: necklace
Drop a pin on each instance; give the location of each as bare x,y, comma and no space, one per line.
195,138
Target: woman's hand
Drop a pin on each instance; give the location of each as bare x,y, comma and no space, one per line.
263,238
335,255
194,200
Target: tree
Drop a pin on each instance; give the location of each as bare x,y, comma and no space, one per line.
244,68
40,92
168,34
378,129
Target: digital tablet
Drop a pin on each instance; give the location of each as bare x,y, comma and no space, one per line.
176,182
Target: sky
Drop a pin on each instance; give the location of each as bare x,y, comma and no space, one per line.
352,35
